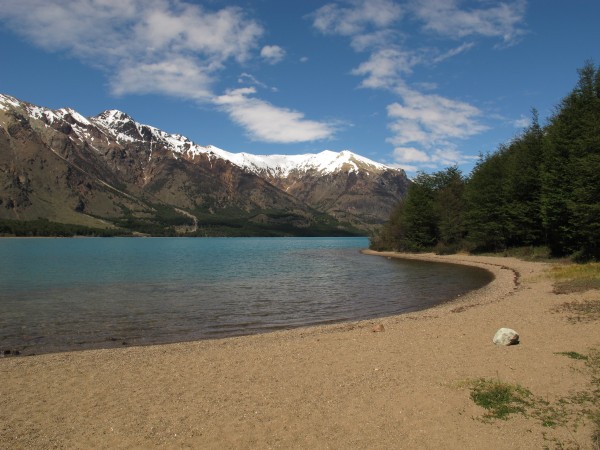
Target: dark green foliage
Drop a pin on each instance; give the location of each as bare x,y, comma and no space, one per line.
522,187
431,214
44,227
486,216
419,217
542,189
450,207
571,175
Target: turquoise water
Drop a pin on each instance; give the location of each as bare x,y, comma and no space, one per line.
65,294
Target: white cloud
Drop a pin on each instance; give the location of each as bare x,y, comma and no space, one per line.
453,52
412,159
423,124
445,17
522,122
427,119
247,78
178,77
410,155
269,123
169,47
355,19
386,67
272,54
161,46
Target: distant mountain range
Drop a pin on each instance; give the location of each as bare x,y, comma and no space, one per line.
110,171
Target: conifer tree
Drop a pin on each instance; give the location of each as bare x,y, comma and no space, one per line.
542,188
450,204
570,175
523,187
486,216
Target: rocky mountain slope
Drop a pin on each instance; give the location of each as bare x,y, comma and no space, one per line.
110,171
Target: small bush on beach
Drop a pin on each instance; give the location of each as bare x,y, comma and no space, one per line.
499,398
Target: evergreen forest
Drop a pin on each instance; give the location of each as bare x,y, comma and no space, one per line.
540,190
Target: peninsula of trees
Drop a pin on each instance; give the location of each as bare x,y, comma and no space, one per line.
541,189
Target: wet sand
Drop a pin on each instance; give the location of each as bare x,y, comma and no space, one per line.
337,386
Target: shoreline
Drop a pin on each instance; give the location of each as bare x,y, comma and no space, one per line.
333,385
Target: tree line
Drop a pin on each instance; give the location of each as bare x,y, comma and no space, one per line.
541,189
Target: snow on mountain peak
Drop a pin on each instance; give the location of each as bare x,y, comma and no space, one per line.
63,112
45,114
6,100
112,117
126,129
324,162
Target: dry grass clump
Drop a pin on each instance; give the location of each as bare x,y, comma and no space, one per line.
576,277
580,311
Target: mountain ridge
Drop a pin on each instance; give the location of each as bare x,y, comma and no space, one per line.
202,180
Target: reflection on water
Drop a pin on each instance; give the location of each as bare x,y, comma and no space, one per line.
62,294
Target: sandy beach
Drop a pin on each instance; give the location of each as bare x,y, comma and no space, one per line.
338,386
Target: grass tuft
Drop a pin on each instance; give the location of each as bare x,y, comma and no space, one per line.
499,398
573,355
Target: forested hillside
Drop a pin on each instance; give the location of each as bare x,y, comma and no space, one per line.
541,189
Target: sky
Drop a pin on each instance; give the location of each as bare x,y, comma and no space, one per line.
416,84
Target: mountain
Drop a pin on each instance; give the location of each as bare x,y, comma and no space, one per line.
348,186
110,171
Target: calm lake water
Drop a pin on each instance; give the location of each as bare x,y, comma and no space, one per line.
65,294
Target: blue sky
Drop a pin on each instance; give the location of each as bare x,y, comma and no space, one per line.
418,84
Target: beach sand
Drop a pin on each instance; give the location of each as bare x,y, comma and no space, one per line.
337,386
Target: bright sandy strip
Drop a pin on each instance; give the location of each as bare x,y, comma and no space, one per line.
339,386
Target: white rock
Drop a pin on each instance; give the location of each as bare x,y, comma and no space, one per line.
506,336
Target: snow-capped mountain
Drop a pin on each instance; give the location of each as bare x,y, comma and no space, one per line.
139,161
282,166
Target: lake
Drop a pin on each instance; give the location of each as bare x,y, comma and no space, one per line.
70,294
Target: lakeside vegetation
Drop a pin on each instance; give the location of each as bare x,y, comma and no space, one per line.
44,227
178,227
540,190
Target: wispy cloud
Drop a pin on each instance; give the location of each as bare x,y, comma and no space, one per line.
424,125
170,47
412,159
272,54
521,122
446,17
357,17
175,76
269,123
251,80
427,119
431,122
165,46
453,52
386,67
